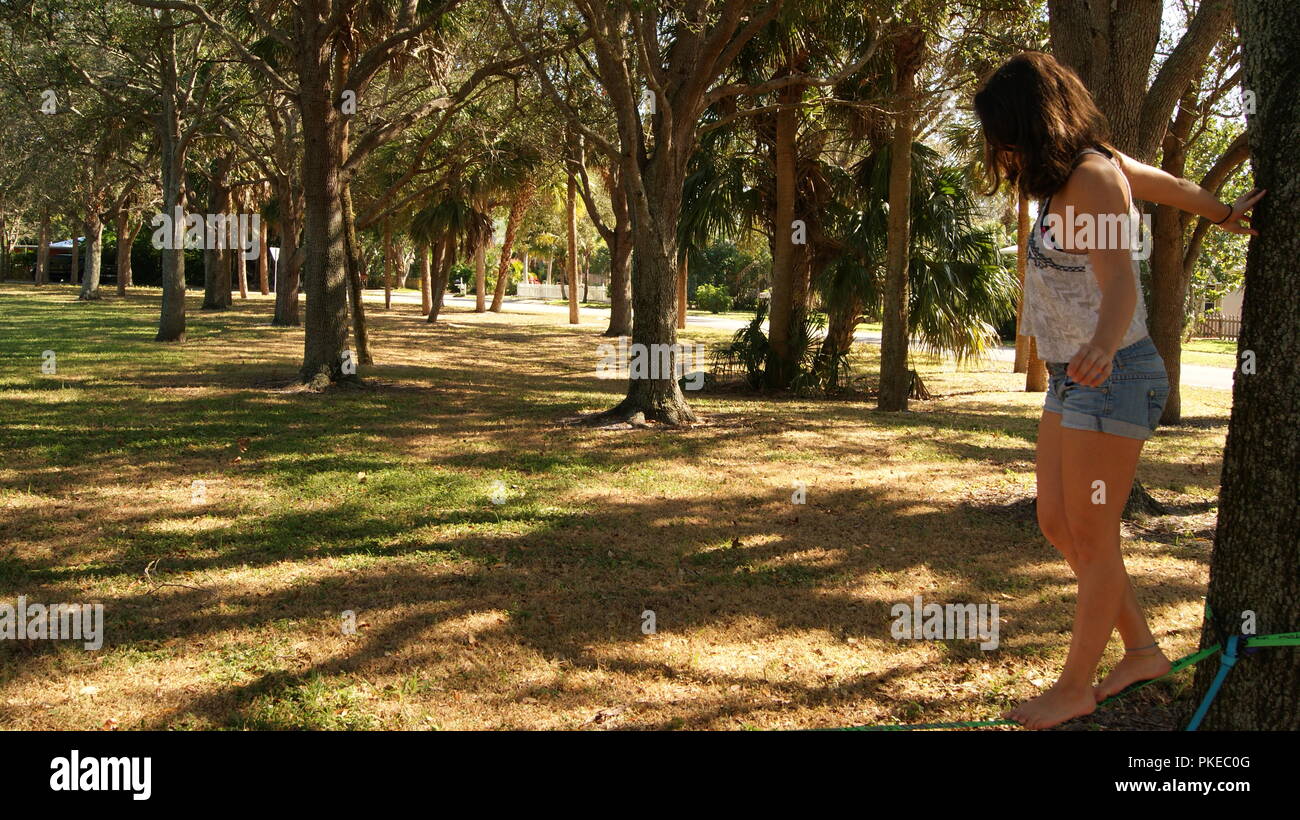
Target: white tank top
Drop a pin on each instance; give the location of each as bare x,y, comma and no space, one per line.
1061,295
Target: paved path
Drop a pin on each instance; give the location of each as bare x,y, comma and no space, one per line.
1196,375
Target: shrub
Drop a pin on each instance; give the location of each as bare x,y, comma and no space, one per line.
713,298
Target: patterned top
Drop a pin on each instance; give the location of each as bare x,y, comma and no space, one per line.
1061,296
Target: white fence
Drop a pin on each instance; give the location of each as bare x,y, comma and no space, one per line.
595,293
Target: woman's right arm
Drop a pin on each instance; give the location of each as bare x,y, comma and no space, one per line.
1155,185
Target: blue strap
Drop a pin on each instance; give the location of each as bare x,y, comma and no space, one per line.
1226,661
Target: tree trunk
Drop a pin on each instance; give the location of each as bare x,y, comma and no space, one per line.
780,367
895,378
263,260
171,321
388,263
1111,47
1035,370
620,258
216,260
42,276
652,392
1166,315
1255,565
324,263
841,321
480,278
571,256
360,331
126,228
288,268
426,278
1172,262
238,260
518,207
444,259
94,228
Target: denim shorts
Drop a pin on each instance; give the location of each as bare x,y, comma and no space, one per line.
1128,403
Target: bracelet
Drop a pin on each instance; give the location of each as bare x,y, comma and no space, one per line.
1231,211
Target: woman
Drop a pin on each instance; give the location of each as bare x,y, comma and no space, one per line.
1083,304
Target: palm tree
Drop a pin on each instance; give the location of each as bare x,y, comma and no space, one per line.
447,222
514,168
958,288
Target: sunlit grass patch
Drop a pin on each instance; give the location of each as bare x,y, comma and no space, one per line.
499,563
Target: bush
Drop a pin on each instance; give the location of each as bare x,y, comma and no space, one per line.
713,298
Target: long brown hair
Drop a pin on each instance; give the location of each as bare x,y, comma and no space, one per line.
1037,116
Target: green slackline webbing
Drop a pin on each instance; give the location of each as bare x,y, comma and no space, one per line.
1255,641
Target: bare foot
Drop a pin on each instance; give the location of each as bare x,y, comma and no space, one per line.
1134,667
1053,707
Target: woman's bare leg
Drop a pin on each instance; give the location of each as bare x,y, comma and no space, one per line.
1097,472
1147,661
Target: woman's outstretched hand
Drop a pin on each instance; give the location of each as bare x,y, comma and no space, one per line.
1239,220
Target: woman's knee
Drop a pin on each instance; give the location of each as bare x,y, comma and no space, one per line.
1093,545
1052,523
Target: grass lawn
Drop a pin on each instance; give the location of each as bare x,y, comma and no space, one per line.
224,601
1211,352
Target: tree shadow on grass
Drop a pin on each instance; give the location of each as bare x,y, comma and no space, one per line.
420,547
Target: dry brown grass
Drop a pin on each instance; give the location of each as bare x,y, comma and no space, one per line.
527,614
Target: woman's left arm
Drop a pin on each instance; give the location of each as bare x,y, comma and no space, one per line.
1098,199
1155,185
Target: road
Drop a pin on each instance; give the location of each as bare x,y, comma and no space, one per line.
1195,375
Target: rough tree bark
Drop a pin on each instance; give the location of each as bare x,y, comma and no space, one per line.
620,258
895,378
216,255
1111,47
126,228
444,258
173,147
1256,565
324,259
1172,261
360,331
780,367
94,229
288,267
263,260
426,278
571,255
480,278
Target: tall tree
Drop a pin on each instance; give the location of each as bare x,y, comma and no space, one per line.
1255,566
1112,46
323,55
895,376
675,59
